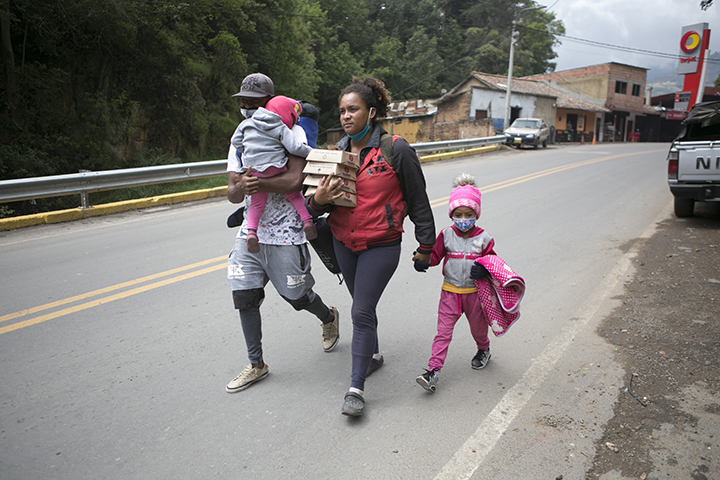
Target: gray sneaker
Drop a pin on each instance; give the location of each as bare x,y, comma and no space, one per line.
331,331
247,377
353,405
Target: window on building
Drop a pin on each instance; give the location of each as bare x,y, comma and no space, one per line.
636,90
479,114
620,87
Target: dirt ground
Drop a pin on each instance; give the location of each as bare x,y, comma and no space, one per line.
666,334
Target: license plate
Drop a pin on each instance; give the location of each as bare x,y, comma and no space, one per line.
518,140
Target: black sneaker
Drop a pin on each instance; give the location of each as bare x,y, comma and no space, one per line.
428,380
481,358
374,366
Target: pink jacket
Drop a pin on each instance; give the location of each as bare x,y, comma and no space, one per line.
500,294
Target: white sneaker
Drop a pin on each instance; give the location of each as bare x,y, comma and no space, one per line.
247,377
331,331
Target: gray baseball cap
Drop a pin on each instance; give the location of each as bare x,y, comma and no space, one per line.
256,85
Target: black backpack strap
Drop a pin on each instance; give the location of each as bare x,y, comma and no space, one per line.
386,148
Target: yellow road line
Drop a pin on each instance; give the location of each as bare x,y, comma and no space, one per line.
94,293
543,173
112,298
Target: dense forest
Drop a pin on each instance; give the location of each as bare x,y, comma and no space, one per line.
101,84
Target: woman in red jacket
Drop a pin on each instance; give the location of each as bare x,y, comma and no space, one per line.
367,237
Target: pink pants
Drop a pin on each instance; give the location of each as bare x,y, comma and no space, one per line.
257,205
452,306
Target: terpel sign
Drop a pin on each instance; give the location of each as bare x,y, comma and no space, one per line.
691,48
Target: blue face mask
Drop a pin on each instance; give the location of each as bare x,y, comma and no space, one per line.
464,224
360,135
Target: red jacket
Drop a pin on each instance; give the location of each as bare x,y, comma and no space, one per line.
385,195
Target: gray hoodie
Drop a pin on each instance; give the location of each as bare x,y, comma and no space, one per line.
263,140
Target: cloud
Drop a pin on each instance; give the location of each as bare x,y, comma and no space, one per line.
652,25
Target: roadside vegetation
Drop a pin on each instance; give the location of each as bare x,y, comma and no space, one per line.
99,85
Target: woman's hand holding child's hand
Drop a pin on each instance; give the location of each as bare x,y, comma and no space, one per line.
422,262
328,190
478,272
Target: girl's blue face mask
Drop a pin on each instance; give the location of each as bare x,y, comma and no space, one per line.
464,224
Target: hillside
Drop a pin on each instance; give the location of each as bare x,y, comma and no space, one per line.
667,80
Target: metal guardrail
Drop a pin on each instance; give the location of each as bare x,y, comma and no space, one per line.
457,144
84,183
89,182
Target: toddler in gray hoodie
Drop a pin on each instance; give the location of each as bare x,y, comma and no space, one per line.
263,141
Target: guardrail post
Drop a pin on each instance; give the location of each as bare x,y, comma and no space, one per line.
84,197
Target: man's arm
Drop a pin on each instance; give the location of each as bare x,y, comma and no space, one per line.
286,182
241,184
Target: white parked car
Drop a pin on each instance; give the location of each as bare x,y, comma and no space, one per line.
527,131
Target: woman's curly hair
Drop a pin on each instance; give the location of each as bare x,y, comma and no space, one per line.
372,91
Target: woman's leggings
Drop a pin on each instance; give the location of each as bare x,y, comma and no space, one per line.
366,274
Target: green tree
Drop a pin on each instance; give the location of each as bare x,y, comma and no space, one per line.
420,64
386,63
99,85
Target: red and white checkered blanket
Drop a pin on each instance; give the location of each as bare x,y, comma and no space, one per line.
500,294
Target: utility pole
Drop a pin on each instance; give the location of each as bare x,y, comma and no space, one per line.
513,40
513,36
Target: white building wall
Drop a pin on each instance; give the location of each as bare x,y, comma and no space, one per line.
494,102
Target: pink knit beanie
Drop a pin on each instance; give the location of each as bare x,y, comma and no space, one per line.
288,109
465,194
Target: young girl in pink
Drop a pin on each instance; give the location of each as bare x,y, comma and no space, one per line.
459,246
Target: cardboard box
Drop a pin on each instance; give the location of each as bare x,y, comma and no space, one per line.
347,184
324,169
334,156
347,200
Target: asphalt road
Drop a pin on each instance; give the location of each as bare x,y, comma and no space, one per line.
118,335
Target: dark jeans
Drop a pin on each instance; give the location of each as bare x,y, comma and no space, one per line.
366,274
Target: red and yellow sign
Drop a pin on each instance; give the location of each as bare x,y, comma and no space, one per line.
691,47
690,41
694,44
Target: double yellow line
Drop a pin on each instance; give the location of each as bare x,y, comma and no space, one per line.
195,270
543,173
111,298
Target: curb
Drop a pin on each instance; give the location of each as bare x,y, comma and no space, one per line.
169,199
460,153
108,208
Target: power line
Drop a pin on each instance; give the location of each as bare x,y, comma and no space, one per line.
619,47
430,76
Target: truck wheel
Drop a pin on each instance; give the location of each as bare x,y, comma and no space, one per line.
684,207
545,143
535,145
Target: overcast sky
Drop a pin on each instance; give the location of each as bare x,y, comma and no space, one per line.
652,25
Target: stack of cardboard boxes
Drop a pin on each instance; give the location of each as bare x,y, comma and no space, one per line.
321,163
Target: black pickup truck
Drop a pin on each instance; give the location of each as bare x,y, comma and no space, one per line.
694,159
